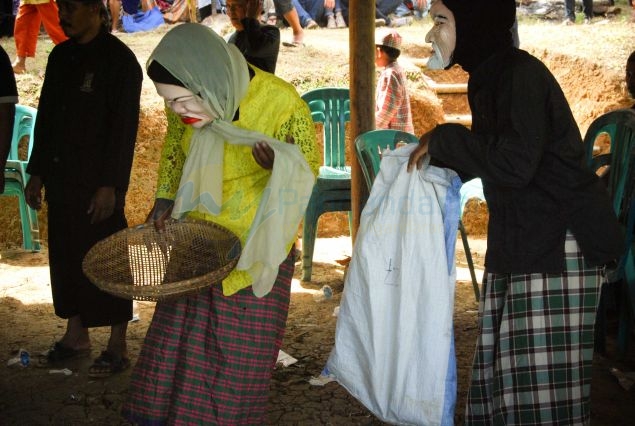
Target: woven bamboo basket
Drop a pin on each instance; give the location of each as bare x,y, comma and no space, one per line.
143,264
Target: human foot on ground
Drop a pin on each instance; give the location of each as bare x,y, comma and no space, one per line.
117,348
298,36
339,20
311,25
107,364
60,352
115,358
77,340
77,343
19,65
298,40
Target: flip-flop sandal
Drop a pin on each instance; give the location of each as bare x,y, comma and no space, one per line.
107,364
293,43
59,353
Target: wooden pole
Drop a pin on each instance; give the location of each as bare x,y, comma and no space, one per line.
362,87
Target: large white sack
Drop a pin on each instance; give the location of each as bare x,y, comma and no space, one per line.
394,342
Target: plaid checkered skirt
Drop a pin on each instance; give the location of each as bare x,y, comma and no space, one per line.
534,352
208,359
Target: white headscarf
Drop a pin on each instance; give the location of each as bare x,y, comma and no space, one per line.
218,73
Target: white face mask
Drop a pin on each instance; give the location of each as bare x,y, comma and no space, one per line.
442,35
186,104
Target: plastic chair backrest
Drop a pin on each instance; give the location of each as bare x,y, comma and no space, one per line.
331,106
15,173
23,125
619,125
369,144
618,173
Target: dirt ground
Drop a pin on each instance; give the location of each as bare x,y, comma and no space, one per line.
588,61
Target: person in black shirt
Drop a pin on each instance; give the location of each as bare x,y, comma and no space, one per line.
258,43
552,231
86,130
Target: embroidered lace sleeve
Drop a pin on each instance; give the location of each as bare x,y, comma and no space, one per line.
172,156
301,127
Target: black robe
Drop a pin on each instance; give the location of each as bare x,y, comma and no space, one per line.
85,135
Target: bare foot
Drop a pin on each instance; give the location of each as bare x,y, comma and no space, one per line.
297,41
298,38
75,343
19,67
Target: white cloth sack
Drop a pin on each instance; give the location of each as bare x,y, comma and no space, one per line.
394,341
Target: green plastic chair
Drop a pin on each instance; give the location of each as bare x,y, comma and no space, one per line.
15,175
368,146
332,189
618,172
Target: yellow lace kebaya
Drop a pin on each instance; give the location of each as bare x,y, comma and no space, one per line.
266,109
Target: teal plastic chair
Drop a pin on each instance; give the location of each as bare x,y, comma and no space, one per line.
368,146
15,175
618,172
332,190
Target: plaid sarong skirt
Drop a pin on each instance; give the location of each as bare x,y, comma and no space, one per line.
534,354
207,359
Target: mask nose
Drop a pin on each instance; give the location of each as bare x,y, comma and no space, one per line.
178,108
428,38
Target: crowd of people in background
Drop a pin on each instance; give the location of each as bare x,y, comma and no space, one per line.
299,15
305,14
23,18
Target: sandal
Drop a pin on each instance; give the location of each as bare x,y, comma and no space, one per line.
59,353
293,44
108,364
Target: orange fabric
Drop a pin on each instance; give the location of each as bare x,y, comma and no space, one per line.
27,26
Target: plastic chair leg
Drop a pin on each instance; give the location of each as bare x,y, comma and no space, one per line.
26,227
309,232
35,229
30,229
468,256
